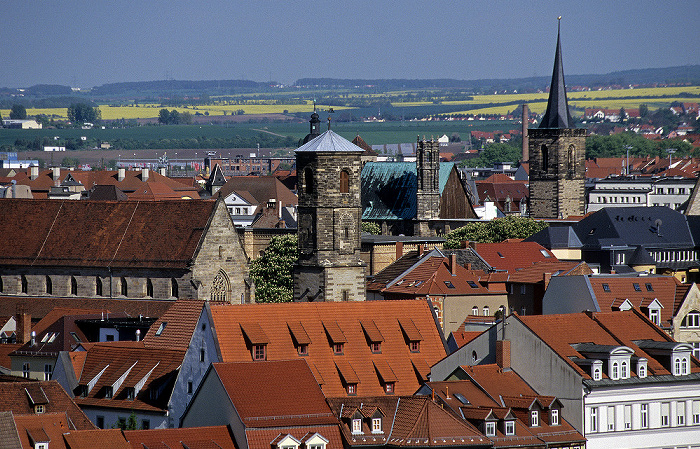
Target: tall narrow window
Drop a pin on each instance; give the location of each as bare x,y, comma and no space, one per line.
344,182
149,288
73,286
173,288
644,416
594,419
98,286
572,159
49,286
309,181
545,158
124,287
25,284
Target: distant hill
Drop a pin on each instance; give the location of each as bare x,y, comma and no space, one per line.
669,75
177,87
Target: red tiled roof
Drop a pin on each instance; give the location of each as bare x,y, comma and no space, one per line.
102,438
181,320
461,338
45,427
102,233
38,307
262,438
536,272
256,390
14,397
192,438
277,319
511,255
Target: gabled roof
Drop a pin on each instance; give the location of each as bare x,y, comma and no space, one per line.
510,255
276,320
42,428
128,365
263,438
389,189
180,322
107,193
409,421
274,393
192,438
163,234
562,332
20,398
102,438
536,272
261,188
554,237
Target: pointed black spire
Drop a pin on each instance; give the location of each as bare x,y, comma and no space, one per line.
557,115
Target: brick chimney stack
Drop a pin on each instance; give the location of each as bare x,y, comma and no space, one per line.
23,327
399,250
453,264
503,353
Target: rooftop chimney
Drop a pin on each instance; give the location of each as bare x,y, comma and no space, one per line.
546,277
453,264
399,250
23,327
162,171
144,174
33,172
121,174
421,249
503,353
56,175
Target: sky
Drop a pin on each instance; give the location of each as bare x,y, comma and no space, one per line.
86,43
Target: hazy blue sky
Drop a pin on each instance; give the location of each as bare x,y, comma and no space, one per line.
85,43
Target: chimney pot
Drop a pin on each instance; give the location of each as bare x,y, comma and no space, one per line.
33,172
399,250
503,353
23,327
121,174
144,174
453,264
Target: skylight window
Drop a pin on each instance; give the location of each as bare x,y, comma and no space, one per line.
161,328
500,255
472,284
649,287
606,288
545,253
449,284
636,286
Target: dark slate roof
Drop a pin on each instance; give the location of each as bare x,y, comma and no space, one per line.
557,115
650,227
389,189
107,193
329,141
553,237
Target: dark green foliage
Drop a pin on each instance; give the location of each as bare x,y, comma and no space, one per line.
494,231
371,228
83,113
272,272
618,144
18,112
495,152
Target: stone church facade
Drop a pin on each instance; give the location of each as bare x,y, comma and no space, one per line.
123,250
557,153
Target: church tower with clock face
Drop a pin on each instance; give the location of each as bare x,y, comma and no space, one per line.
557,152
328,226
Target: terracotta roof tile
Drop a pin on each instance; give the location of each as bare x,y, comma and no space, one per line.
303,403
102,233
192,438
511,255
261,438
181,319
14,397
356,351
46,427
102,438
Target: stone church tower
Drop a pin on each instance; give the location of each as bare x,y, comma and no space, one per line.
329,212
557,154
428,186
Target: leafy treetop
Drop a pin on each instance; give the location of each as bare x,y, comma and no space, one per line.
272,272
498,230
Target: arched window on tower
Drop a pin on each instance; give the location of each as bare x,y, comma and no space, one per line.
73,286
545,158
49,286
173,288
124,287
308,181
149,287
572,160
344,181
98,286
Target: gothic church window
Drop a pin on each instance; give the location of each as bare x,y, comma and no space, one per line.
123,287
220,287
98,286
572,160
49,286
545,158
173,288
73,286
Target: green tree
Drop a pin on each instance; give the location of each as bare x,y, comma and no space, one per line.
164,116
83,113
495,152
18,112
510,227
272,272
371,228
643,110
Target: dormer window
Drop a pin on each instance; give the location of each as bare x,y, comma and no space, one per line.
377,425
624,370
356,425
490,429
338,348
130,393
414,346
259,352
655,315
475,311
389,388
554,417
642,368
615,371
376,347
108,392
39,409
352,389
303,349
510,428
534,418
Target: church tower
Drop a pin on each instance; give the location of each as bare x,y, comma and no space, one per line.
557,153
328,227
428,186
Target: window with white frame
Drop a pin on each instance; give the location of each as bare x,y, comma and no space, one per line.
611,419
691,320
490,429
48,370
510,428
487,311
641,367
696,412
534,418
25,370
356,425
644,416
624,370
475,311
684,366
665,414
628,417
376,425
655,316
554,417
680,413
615,371
593,420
